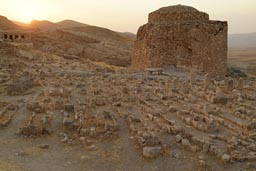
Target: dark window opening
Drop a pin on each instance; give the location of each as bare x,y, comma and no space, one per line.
5,36
23,37
11,37
16,36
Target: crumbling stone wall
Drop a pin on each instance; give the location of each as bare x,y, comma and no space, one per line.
182,35
20,86
15,36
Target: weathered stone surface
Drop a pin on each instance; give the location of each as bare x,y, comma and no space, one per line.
69,108
68,122
100,102
230,84
151,152
178,138
240,84
185,142
30,130
182,35
220,97
20,86
149,139
193,76
225,157
207,81
44,146
252,126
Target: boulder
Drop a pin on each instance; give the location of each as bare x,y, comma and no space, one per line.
152,152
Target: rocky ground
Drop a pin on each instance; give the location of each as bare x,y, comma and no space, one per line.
59,114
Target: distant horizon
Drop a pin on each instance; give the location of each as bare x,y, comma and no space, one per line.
98,26
127,16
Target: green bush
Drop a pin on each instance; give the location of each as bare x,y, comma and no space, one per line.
234,72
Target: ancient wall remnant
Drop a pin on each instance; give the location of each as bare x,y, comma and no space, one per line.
182,35
19,86
15,36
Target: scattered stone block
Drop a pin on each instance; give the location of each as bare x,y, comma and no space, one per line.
69,108
152,152
207,81
193,76
185,142
149,139
154,71
240,84
44,146
230,85
226,157
178,138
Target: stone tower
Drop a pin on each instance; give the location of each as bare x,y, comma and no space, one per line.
182,35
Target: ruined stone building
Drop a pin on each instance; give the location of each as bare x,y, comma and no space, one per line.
182,35
15,36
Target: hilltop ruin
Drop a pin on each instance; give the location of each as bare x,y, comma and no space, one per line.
15,36
182,35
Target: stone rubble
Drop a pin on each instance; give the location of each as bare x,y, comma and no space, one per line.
87,104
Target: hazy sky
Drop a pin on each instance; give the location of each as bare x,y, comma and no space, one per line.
127,15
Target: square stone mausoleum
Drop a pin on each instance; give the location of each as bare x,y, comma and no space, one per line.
182,35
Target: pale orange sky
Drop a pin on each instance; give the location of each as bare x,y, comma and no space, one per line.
127,15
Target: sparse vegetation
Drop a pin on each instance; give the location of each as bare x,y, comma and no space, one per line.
234,72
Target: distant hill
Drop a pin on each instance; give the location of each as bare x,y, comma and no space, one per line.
20,24
98,33
247,40
6,24
70,24
43,25
75,40
128,35
91,42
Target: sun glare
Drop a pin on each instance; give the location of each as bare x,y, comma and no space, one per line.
27,16
26,10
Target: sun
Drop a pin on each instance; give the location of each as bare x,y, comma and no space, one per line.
25,10
27,16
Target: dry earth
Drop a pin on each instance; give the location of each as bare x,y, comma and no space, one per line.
61,115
